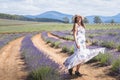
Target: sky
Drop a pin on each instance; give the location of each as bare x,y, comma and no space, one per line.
81,7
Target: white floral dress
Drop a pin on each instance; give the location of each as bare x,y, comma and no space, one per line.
82,54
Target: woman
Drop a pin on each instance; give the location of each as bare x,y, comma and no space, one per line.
81,53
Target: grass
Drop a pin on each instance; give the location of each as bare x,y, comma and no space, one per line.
12,26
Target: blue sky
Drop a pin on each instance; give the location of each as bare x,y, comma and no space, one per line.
82,7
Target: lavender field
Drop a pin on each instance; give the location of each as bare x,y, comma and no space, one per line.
39,65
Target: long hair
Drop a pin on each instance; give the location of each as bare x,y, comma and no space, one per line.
76,20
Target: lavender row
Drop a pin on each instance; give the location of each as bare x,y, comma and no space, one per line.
34,57
67,46
67,35
5,38
44,35
41,67
107,38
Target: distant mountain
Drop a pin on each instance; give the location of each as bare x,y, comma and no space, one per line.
59,16
105,19
52,15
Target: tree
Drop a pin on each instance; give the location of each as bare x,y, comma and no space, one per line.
112,21
85,20
97,19
66,19
72,19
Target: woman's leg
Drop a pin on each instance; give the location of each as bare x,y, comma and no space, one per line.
77,70
70,71
78,67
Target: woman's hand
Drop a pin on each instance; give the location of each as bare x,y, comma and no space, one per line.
78,46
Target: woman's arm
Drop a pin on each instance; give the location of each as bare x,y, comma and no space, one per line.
74,34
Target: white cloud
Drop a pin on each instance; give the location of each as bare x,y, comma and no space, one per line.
82,7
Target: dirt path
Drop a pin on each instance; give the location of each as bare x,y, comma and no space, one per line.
89,71
11,64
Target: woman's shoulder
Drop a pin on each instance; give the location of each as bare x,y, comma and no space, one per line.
76,25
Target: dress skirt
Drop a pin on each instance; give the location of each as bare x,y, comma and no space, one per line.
81,56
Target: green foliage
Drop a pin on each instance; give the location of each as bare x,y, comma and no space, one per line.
68,38
71,50
116,65
13,17
97,19
18,17
91,36
85,20
103,58
108,44
94,42
48,41
65,49
44,73
112,34
57,44
66,19
118,48
112,21
52,44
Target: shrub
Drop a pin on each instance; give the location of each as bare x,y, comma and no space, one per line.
71,50
65,49
52,44
68,37
103,58
118,48
91,36
116,65
57,44
94,42
44,73
48,41
112,34
107,44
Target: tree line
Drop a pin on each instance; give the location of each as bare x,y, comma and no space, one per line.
23,18
96,19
